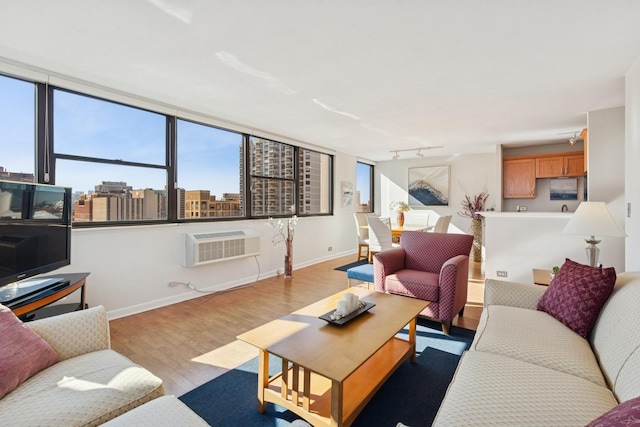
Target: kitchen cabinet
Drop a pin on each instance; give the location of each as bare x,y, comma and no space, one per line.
519,178
559,166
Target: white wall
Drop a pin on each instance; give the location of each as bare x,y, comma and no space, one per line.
606,176
469,174
131,266
519,242
631,162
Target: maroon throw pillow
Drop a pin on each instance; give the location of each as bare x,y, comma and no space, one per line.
576,295
625,414
23,353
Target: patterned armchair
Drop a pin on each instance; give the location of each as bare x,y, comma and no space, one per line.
428,266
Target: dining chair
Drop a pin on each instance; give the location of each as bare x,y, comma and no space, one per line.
362,228
442,225
380,238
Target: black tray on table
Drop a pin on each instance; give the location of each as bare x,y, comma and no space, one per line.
348,317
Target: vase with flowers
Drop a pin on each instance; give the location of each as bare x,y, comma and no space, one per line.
471,206
283,232
400,208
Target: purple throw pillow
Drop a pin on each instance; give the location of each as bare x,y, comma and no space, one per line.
576,295
23,353
625,414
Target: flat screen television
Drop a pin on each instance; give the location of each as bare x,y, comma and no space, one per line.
35,230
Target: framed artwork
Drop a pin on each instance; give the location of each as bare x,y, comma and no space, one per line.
563,189
347,194
429,186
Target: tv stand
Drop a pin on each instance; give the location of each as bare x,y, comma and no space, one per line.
70,282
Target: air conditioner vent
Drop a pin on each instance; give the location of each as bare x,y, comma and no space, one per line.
205,248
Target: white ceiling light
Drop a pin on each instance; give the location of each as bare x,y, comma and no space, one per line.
418,154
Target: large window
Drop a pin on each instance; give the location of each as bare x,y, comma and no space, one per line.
210,165
364,187
17,130
112,156
127,164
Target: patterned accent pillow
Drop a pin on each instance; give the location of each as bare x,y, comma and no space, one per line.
23,352
625,414
576,295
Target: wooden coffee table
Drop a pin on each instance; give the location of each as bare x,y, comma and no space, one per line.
330,372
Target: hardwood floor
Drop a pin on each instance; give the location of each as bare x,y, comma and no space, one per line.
192,342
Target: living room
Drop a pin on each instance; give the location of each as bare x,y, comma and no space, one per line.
131,266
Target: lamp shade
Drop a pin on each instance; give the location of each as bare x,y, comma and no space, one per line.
593,219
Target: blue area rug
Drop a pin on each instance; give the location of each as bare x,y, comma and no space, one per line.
412,395
353,264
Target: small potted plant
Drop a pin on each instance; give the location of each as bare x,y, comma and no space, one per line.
554,271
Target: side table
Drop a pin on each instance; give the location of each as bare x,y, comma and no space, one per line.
542,277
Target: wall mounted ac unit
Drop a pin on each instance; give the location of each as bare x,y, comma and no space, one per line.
205,248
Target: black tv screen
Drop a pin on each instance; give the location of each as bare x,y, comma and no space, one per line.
35,229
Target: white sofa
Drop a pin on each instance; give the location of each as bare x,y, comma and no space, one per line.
525,368
90,384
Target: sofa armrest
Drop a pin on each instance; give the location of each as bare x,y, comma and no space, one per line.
75,333
524,295
386,263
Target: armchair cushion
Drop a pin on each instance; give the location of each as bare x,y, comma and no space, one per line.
414,283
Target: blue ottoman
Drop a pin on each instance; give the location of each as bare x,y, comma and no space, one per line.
362,272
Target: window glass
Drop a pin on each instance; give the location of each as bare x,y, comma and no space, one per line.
17,138
315,178
272,188
105,192
91,127
364,187
93,141
210,165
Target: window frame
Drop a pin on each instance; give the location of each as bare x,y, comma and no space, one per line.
46,158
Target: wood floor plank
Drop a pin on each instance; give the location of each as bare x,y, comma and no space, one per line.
191,342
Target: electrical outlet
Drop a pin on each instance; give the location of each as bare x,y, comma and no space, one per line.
500,273
330,248
523,208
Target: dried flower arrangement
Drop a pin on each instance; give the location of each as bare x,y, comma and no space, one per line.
471,205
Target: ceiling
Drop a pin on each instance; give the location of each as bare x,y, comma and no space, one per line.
362,77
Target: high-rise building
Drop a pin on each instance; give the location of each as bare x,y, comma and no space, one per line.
273,194
116,201
16,176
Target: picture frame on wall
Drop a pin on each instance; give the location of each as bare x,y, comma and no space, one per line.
563,189
347,194
429,186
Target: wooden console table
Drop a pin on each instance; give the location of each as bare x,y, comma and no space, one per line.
48,296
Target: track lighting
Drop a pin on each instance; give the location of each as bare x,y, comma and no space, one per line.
577,137
419,154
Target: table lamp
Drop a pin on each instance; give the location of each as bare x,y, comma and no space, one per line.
593,219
